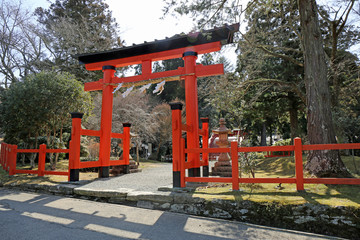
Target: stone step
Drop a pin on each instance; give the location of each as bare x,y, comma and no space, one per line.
133,166
132,162
221,174
222,164
135,170
223,169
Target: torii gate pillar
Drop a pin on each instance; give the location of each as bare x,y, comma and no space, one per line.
192,111
106,121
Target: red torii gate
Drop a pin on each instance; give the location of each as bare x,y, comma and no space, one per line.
187,46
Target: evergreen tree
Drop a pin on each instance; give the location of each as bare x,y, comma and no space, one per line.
320,125
173,89
40,106
77,26
272,29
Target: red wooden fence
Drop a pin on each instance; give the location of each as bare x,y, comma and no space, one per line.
181,161
8,158
298,149
76,133
8,154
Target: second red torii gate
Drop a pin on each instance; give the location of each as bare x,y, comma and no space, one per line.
185,46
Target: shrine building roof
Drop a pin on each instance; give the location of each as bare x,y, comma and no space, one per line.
224,35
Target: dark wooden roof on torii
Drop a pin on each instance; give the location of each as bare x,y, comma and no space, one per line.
200,42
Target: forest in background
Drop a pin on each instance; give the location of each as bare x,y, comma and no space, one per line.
274,89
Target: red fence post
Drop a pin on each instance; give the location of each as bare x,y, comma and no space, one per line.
41,161
12,159
205,145
235,165
74,153
176,141
126,146
8,157
299,171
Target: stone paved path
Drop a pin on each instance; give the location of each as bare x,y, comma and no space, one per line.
150,179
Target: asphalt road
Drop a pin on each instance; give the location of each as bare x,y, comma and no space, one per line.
41,216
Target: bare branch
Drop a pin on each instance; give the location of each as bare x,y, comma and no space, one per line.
20,46
215,13
349,7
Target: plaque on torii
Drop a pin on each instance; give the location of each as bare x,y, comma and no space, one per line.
186,46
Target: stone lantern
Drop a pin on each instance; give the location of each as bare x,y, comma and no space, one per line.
223,166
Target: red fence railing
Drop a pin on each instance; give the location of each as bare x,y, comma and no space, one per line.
297,148
74,157
8,158
8,154
181,161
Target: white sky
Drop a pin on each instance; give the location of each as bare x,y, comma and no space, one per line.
139,21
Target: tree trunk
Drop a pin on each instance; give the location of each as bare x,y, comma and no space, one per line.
61,142
319,119
294,121
271,137
52,157
50,143
137,155
263,135
158,157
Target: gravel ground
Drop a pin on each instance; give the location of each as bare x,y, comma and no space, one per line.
150,179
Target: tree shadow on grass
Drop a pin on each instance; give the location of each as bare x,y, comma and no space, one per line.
344,192
351,192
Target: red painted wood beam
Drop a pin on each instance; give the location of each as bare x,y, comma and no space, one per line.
117,135
170,54
87,132
200,71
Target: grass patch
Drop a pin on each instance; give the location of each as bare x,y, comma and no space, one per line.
147,163
61,165
332,195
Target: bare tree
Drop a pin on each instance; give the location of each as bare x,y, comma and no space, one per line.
20,46
341,35
135,109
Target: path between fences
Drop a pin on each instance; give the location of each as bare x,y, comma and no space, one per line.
149,180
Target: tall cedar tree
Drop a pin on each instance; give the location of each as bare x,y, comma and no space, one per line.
318,100
319,120
74,27
272,29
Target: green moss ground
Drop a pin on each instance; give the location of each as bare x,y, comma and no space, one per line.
332,195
